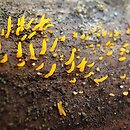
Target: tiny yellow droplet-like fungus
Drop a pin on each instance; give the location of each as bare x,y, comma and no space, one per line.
21,64
8,27
122,58
123,76
111,94
100,58
104,33
18,31
53,68
73,80
28,26
71,57
4,59
91,65
19,50
82,37
31,35
62,39
2,32
40,66
109,53
75,34
101,79
125,93
32,52
128,31
22,21
60,108
89,74
54,45
44,47
71,68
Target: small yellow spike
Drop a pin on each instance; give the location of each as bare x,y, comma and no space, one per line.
53,68
4,59
116,34
44,47
19,50
109,53
2,32
128,31
18,31
82,37
60,108
71,57
104,33
125,45
75,34
47,26
101,79
81,69
62,39
89,74
111,94
40,66
22,23
87,38
31,35
21,64
125,93
122,58
9,27
54,45
81,63
28,26
24,37
122,49
123,76
100,58
91,65
73,80
32,53
72,68
19,22
43,22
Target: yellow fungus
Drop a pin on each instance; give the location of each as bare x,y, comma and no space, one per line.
100,58
9,27
75,34
128,31
91,65
125,45
2,32
121,53
53,68
125,93
24,37
73,80
81,63
116,34
71,68
123,76
60,108
22,21
19,50
91,45
18,31
18,24
110,35
31,35
89,74
111,94
71,57
87,38
109,53
4,59
123,49
78,57
98,35
32,53
47,26
122,58
104,33
54,45
127,51
21,64
81,69
40,66
28,26
62,39
93,31
43,22
44,47
78,50
108,44
82,37
98,45
101,79
55,55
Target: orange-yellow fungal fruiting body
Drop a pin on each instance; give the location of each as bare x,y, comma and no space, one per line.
81,63
125,45
2,32
40,66
112,95
122,58
60,108
82,37
104,33
32,52
89,74
62,39
53,68
19,50
128,31
54,45
72,67
47,26
91,65
24,37
123,76
9,27
100,58
44,47
18,31
21,64
31,35
73,80
125,93
71,57
22,21
109,53
28,26
75,34
101,79
4,59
